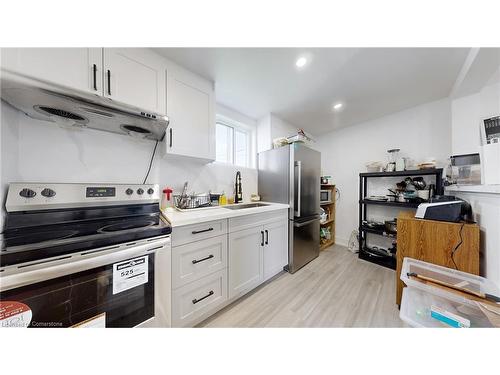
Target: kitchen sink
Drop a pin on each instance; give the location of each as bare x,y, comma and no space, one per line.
247,205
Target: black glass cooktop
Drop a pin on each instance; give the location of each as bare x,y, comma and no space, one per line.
37,235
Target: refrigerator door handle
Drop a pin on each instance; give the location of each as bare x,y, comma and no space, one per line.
298,164
302,224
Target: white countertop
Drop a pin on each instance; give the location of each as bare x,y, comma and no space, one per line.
487,189
178,218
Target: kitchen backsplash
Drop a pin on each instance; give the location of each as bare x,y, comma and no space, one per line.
33,150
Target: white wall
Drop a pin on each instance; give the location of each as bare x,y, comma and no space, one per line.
419,132
467,113
38,151
271,127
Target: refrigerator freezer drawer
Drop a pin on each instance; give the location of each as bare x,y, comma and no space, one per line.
304,243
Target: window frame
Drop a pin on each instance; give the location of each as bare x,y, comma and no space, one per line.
242,128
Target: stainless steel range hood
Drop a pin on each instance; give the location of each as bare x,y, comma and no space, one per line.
70,108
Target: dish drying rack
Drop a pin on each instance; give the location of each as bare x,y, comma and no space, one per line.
191,201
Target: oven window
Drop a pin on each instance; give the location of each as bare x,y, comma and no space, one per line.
76,298
325,196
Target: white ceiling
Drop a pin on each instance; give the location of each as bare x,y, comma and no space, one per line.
371,82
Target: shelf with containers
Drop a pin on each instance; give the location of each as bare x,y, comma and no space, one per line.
329,223
375,254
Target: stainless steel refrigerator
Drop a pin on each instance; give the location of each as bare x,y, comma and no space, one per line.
291,175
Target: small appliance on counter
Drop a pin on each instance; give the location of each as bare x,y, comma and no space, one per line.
446,210
466,169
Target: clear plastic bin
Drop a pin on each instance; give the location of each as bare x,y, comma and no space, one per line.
418,297
416,310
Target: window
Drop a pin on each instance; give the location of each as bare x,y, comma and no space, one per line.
233,143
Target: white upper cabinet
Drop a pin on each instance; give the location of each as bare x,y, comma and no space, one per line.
191,111
135,76
77,68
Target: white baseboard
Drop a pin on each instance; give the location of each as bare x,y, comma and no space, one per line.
341,241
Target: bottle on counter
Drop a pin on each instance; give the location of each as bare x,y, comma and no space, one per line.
166,199
222,199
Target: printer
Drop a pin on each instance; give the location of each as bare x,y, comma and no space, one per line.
453,211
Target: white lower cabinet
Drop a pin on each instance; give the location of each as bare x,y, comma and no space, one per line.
245,260
197,259
275,248
195,300
208,273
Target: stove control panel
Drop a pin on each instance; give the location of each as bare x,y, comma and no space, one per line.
43,196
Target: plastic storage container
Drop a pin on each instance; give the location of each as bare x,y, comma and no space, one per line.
419,299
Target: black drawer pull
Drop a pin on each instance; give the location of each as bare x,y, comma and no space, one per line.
262,240
94,70
171,139
202,231
195,301
109,82
203,259
267,237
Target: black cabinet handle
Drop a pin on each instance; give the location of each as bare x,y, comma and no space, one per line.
203,259
262,240
171,138
202,231
109,82
195,301
94,71
267,237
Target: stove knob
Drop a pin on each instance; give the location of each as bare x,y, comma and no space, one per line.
129,191
150,191
140,191
49,193
27,193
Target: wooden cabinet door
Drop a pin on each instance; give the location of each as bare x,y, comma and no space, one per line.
135,76
276,248
190,108
76,68
245,260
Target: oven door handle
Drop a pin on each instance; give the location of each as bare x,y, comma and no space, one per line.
17,276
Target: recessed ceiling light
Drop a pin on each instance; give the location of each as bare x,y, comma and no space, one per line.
301,62
338,106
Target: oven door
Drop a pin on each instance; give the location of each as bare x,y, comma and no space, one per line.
112,290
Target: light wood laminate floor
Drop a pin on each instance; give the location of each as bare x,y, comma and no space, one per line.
335,290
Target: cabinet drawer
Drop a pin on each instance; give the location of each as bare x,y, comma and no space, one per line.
249,221
195,232
200,297
192,261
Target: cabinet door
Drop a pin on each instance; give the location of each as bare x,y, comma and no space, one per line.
190,108
135,76
245,260
77,68
276,248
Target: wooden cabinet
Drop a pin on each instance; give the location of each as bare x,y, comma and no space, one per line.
246,267
452,245
191,110
76,68
275,248
135,76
